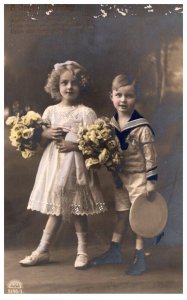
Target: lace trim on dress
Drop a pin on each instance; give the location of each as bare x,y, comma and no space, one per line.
78,201
46,208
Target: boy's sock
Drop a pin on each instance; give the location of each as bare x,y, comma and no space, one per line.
116,237
139,243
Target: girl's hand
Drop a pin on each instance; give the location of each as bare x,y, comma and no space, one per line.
66,146
52,133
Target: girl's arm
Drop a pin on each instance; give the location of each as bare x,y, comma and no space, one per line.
89,116
49,134
67,146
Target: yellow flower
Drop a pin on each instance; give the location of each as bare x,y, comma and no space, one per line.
89,127
103,156
28,133
11,120
98,135
91,162
86,137
81,144
100,122
31,117
95,127
18,127
93,137
27,153
21,133
106,134
116,159
88,151
111,144
99,145
14,142
82,131
15,134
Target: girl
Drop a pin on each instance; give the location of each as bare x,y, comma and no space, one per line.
138,172
63,186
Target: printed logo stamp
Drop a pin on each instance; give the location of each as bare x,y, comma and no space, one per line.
15,286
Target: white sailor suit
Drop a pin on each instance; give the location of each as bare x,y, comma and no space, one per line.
139,160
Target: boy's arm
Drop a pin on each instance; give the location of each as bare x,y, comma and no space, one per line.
150,155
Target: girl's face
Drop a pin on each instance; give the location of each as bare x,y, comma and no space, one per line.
124,99
69,87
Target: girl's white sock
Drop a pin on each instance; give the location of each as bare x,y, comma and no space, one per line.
82,242
44,242
51,227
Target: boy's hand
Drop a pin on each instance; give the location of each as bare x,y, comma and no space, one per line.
151,189
66,146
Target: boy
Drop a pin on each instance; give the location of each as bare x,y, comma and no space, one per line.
138,173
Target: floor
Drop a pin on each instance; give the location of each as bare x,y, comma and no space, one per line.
164,274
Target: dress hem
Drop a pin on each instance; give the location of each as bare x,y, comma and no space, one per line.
78,214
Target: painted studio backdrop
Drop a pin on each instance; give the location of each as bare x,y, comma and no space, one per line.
145,40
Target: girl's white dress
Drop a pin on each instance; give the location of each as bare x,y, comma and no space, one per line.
63,186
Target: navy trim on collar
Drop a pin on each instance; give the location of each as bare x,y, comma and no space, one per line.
135,115
135,121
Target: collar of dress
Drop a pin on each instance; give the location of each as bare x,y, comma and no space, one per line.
136,120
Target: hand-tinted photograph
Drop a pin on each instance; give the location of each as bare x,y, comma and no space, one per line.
93,116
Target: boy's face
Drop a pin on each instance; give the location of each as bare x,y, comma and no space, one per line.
69,87
124,99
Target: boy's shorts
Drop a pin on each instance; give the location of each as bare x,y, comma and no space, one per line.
134,185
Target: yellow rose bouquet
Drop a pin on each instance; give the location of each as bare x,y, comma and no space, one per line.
99,145
25,132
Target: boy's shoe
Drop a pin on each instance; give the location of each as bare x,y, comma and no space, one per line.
35,259
81,262
111,256
138,266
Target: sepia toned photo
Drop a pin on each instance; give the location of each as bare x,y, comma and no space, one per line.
93,164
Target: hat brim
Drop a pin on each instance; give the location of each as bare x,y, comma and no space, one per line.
148,218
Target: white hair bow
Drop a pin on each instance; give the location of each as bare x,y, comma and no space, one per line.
68,62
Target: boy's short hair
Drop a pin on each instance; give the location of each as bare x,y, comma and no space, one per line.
120,80
126,79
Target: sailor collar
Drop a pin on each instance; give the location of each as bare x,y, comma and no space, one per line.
136,120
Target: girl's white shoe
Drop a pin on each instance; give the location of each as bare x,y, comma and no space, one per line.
35,259
81,262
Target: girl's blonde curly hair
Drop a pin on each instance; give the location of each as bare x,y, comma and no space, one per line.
79,72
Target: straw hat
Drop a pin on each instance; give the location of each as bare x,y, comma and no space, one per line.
148,217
